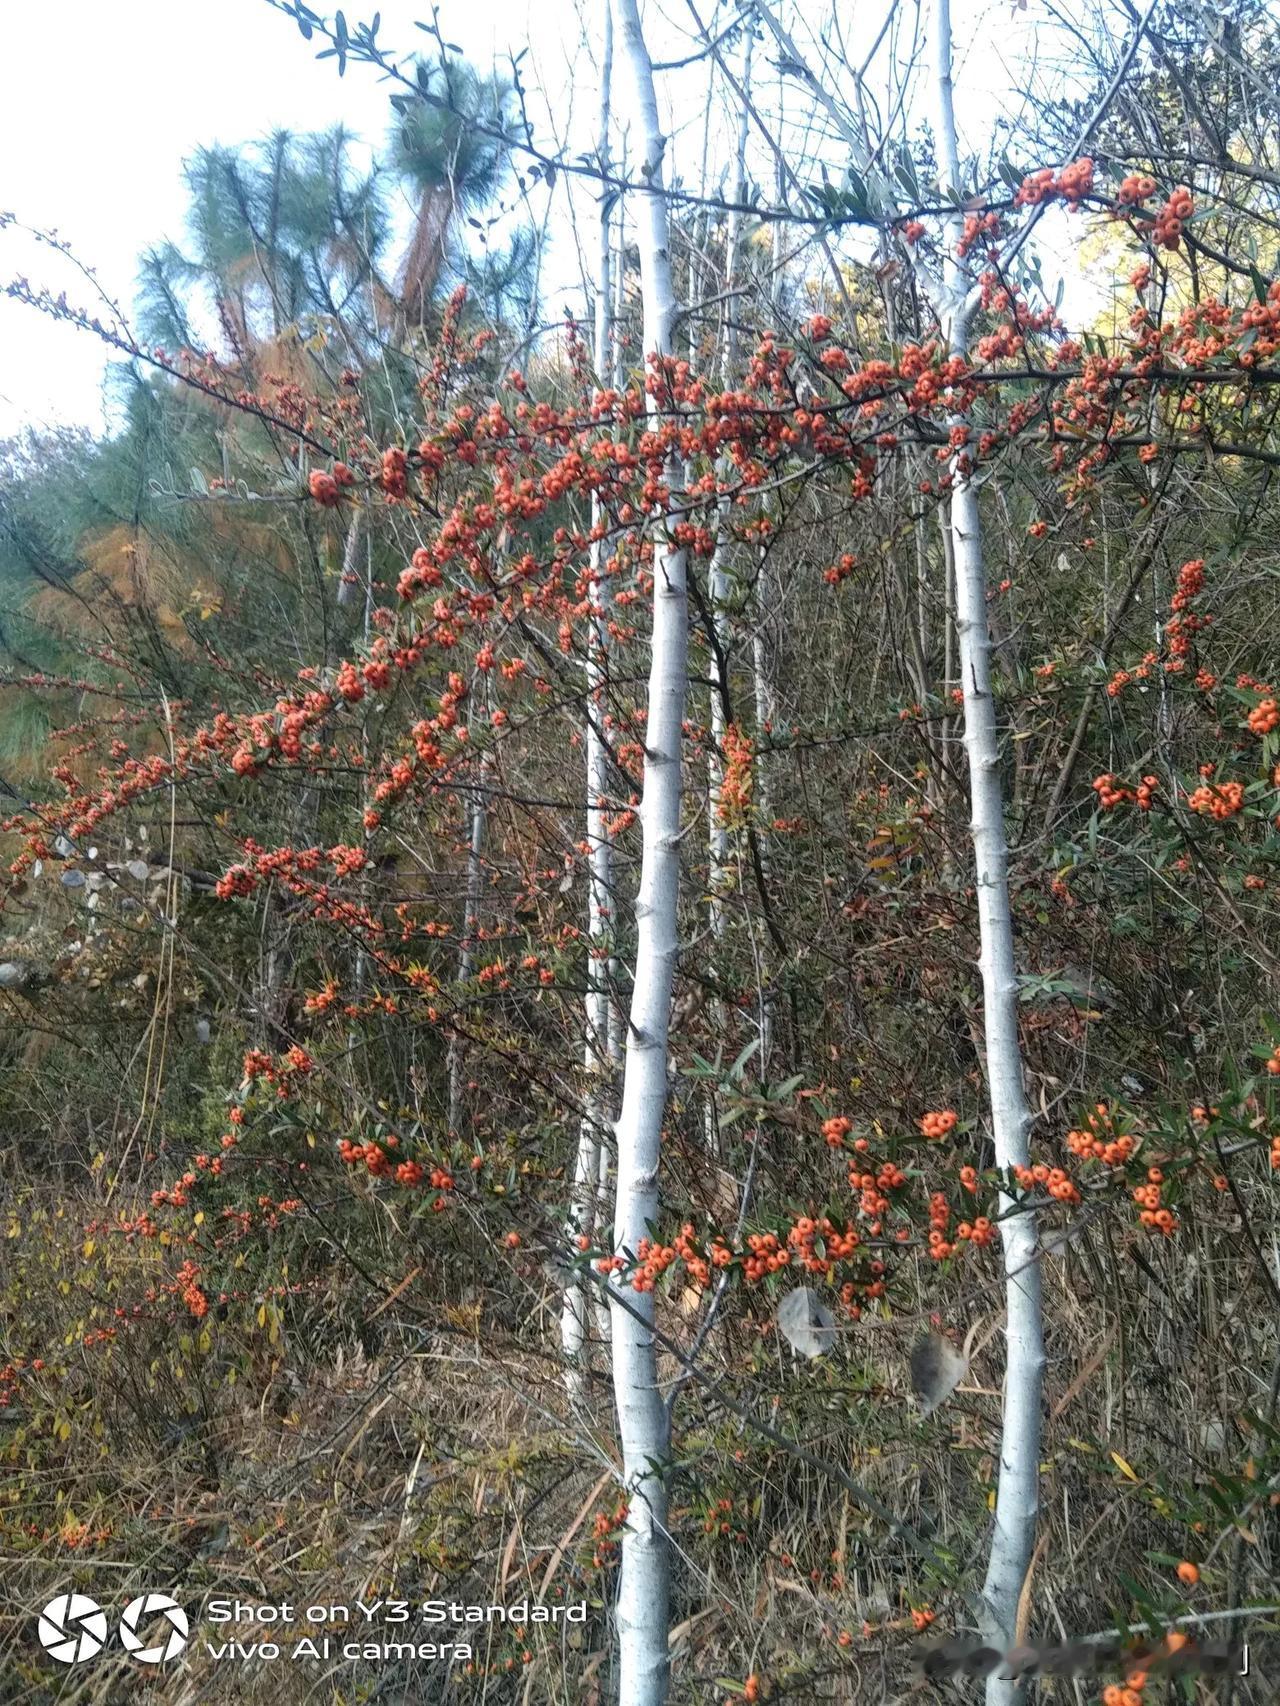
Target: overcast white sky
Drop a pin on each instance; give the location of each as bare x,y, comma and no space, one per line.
101,100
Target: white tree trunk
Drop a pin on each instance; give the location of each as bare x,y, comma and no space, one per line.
349,582
1017,1487
615,382
642,1607
600,1030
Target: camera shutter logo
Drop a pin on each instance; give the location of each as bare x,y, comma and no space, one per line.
72,1628
138,1613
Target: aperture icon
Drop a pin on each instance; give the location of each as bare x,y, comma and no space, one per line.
72,1628
141,1611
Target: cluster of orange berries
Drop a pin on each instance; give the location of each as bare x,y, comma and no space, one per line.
1220,800
1135,189
765,1255
653,1259
190,1292
327,489
1119,681
873,1201
976,225
1154,1217
841,570
375,1158
1263,320
980,1231
177,1196
603,1528
77,1536
736,781
1112,793
373,1155
938,1124
716,1521
1071,185
1055,1181
295,1063
939,1220
1264,717
1190,583
1167,228
815,1244
1130,1694
394,476
837,1245
1100,1141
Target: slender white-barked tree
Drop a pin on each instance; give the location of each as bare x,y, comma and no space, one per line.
642,1607
600,1030
954,301
1017,1485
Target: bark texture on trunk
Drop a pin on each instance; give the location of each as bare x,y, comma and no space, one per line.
1017,1484
601,1030
642,1608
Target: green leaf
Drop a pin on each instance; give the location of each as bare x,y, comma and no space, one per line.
1009,173
736,1069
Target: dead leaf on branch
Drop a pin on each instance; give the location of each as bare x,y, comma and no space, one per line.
937,1368
806,1323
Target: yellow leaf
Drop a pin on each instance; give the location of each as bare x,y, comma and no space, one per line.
87,1248
199,1220
1125,1469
